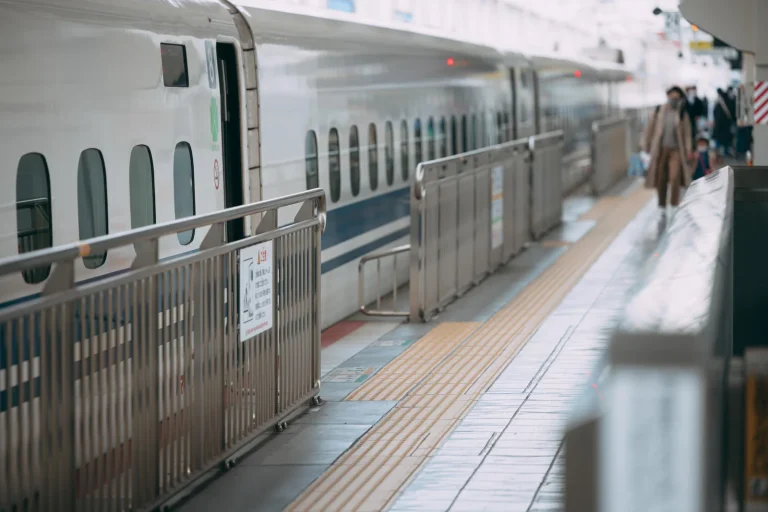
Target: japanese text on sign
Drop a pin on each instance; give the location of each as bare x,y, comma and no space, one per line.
256,293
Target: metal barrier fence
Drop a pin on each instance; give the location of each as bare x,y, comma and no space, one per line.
120,391
655,441
470,213
609,153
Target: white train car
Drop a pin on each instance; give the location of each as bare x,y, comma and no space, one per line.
116,115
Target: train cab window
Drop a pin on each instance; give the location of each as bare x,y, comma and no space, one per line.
334,164
141,184
92,209
418,153
310,147
454,136
34,229
373,157
443,139
354,160
499,128
464,142
184,188
389,152
404,150
473,138
174,61
431,153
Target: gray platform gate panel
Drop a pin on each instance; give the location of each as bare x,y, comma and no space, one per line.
656,441
470,214
127,388
609,152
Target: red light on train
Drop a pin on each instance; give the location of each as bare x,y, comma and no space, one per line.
577,73
450,61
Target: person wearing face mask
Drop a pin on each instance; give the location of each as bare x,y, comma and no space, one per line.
669,142
703,162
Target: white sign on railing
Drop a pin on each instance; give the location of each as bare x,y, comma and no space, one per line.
497,206
256,293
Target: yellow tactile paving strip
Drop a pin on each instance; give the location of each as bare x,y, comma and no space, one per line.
602,207
399,376
368,475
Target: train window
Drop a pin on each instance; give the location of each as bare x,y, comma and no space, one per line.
174,61
454,136
524,79
334,164
443,139
431,153
389,152
373,157
404,150
499,128
507,135
464,142
310,148
417,149
33,211
473,138
354,160
184,188
92,201
141,184
483,135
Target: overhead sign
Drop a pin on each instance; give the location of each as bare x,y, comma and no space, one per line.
672,25
256,290
701,46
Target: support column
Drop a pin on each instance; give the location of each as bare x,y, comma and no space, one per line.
760,131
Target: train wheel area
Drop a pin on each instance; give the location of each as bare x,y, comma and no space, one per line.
465,412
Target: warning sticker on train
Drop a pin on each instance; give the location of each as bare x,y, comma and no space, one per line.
210,57
256,293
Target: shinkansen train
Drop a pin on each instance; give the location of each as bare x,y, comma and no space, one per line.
120,114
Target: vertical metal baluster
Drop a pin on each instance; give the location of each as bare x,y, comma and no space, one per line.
173,378
113,443
222,376
23,375
100,400
124,390
378,284
394,282
189,394
44,416
82,419
136,386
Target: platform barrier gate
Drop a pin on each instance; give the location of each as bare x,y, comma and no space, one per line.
120,391
470,213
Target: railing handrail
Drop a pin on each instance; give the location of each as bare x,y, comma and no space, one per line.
383,254
73,250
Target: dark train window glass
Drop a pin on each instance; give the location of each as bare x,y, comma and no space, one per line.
524,79
141,184
310,149
507,135
431,153
418,153
389,152
184,188
174,61
373,158
334,164
499,128
473,138
92,213
354,161
404,150
464,142
443,139
483,135
454,136
34,227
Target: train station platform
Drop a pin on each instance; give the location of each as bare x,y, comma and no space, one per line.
467,411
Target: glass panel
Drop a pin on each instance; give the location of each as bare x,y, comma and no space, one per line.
389,152
141,177
92,201
431,152
354,161
443,139
310,148
473,136
334,164
373,158
34,229
454,136
184,188
404,150
417,148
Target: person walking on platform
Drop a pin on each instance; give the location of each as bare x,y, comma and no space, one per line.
669,141
724,123
696,111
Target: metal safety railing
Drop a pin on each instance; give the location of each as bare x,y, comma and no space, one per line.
654,438
610,152
120,391
470,213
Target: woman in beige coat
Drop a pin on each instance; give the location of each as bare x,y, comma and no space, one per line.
668,140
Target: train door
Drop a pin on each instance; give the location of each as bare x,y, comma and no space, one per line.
231,141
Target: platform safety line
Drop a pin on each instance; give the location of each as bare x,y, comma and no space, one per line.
602,207
370,474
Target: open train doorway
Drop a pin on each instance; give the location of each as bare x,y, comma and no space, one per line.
231,140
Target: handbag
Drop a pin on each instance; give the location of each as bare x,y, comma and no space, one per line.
637,167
